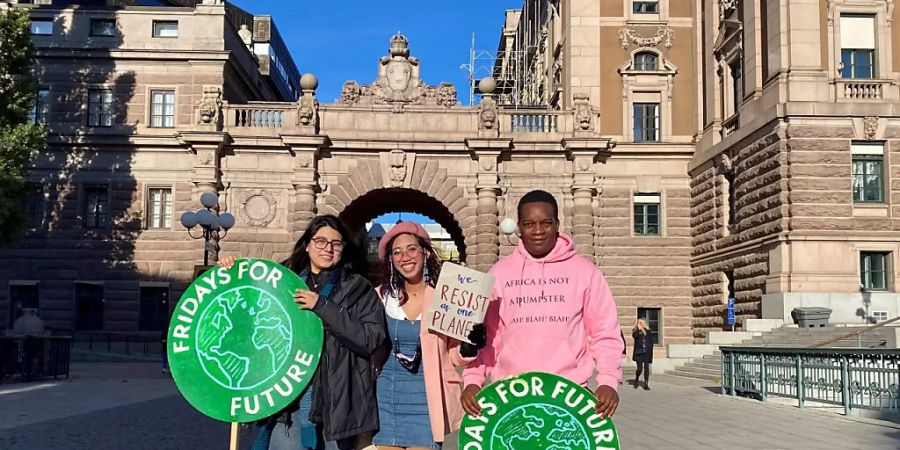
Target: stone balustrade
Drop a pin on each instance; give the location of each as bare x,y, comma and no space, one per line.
273,118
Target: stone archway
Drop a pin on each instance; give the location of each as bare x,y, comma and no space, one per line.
381,201
400,182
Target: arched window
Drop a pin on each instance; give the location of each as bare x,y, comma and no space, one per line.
646,61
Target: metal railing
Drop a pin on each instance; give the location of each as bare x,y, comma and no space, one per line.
857,333
25,358
856,379
144,344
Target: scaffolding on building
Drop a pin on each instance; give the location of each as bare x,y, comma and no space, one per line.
524,66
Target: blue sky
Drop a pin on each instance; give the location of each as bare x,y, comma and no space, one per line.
340,40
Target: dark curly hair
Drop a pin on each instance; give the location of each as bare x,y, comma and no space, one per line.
387,285
352,259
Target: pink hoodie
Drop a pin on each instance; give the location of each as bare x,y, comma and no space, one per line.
555,314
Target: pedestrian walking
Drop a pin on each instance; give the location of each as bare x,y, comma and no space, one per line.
552,312
642,353
338,411
419,387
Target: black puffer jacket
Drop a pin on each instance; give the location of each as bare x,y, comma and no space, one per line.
343,391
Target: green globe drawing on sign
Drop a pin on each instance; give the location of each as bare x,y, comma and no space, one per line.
539,426
225,353
239,348
537,411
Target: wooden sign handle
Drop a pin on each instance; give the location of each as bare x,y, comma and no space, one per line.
234,436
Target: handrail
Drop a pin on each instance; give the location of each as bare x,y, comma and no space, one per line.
852,378
854,333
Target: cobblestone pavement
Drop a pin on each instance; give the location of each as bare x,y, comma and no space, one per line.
131,406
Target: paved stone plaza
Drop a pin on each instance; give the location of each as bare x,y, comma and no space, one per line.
132,406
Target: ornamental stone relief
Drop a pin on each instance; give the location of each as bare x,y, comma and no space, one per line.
399,83
257,207
630,36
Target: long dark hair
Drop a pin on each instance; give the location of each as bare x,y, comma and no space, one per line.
352,259
393,283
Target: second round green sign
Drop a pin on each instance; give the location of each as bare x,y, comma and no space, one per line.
239,347
537,411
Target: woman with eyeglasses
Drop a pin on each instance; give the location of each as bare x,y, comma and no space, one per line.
338,411
419,387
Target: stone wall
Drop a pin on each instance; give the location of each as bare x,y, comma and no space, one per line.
647,271
758,165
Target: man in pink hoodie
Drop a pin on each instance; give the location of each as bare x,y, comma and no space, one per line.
552,312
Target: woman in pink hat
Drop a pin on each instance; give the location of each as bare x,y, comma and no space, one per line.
419,388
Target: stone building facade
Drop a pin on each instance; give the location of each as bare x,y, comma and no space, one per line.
697,152
793,195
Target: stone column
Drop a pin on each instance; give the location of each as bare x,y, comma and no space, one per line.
207,174
305,149
584,152
486,250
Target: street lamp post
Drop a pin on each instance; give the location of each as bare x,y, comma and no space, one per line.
212,223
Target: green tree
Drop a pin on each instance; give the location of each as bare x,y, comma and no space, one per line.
21,139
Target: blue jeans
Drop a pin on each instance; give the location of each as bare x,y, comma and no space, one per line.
300,435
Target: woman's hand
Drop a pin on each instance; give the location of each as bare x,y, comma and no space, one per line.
469,403
227,261
306,299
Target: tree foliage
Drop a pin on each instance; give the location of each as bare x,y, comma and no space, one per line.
21,139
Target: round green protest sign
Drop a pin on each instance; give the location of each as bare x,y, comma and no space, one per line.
239,347
537,411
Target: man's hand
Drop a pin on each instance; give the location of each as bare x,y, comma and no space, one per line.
469,404
607,401
306,299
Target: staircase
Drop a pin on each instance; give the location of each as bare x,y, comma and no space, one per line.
709,367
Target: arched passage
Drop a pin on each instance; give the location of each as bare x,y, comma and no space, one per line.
386,200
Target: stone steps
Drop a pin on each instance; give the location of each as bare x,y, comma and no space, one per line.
709,367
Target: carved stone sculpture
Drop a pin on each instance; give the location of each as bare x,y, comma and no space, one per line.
487,114
584,114
870,127
397,170
210,105
398,83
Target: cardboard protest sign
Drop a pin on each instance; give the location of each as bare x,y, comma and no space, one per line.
537,411
460,300
239,347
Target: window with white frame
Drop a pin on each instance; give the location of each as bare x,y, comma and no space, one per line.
160,208
645,6
868,172
42,27
858,46
647,61
165,28
100,107
41,111
103,27
646,121
96,206
874,270
162,108
647,217
736,72
35,205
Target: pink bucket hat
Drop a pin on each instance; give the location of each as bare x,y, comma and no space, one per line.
401,228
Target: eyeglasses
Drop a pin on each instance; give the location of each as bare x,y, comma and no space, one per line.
321,243
410,251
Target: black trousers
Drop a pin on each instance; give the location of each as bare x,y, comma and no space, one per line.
642,366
